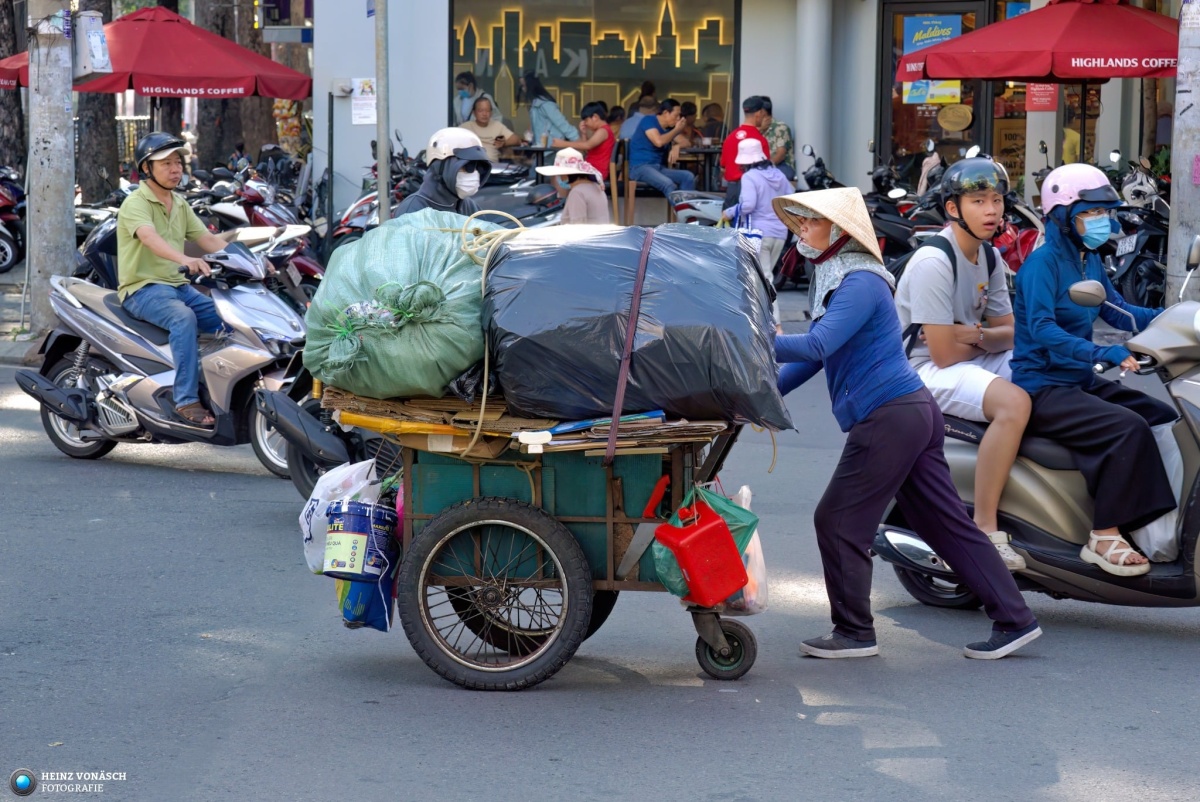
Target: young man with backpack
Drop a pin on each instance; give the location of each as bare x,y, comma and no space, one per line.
957,320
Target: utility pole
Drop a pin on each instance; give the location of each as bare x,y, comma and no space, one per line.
383,135
1185,147
50,234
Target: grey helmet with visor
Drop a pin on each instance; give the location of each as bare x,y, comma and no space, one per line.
977,174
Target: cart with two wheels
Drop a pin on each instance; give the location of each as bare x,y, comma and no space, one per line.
509,564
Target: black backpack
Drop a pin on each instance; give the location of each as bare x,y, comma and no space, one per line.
942,244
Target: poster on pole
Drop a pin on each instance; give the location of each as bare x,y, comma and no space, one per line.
362,102
921,32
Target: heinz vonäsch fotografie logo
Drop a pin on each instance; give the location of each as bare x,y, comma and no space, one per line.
22,782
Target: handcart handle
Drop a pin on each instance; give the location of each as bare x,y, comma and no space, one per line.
656,497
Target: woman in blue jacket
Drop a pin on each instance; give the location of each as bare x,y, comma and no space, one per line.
895,432
1105,425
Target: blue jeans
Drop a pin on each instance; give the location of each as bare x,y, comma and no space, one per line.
664,179
184,311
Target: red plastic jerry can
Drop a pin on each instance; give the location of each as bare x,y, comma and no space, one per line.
707,554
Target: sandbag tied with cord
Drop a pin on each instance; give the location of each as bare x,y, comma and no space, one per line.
557,311
397,314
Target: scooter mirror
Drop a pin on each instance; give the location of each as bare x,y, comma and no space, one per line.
930,146
1193,260
1115,156
807,150
103,173
1088,293
1042,146
870,145
972,151
897,193
1145,163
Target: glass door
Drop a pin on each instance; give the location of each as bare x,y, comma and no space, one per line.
953,114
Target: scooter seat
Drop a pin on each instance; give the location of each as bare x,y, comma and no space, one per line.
105,302
1044,452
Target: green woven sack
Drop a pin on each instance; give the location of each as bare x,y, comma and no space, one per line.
741,522
398,312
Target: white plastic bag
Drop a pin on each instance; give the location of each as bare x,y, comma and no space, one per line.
1159,539
353,481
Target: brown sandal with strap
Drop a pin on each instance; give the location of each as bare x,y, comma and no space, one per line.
195,413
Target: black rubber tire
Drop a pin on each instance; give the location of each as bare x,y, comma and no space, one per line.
562,552
925,589
309,286
10,252
1134,289
345,239
497,635
743,652
253,423
94,450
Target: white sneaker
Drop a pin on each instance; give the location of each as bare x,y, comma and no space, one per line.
1012,560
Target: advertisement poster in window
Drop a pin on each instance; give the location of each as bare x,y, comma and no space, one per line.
921,32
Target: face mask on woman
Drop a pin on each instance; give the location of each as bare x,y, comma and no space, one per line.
1096,231
562,183
466,184
464,94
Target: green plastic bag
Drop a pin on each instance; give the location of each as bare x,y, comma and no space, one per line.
398,312
741,522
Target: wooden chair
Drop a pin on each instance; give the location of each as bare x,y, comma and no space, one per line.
631,188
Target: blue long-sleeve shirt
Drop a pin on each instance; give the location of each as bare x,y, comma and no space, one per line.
1053,335
858,343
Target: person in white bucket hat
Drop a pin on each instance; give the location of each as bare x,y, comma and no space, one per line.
762,182
586,201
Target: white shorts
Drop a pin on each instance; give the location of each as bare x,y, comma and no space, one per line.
959,389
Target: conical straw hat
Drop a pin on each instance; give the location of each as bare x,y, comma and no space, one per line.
844,206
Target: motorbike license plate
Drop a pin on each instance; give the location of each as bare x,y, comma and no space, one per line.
1125,245
293,274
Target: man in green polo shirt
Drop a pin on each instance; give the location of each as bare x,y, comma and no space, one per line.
152,226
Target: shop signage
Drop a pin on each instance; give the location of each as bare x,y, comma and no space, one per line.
1017,9
1041,97
921,32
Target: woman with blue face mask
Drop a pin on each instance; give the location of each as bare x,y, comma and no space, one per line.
1104,424
581,184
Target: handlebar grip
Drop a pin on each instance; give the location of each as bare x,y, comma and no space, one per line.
1101,367
183,269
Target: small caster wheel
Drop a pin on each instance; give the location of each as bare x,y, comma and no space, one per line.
743,649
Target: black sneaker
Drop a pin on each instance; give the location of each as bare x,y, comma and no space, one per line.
1002,643
834,645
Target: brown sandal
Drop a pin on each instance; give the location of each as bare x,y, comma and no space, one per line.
196,413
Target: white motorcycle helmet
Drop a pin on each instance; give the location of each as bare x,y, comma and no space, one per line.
454,142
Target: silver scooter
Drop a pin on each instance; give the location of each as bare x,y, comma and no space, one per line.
1045,506
107,377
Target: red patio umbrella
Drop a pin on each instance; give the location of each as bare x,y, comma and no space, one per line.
158,53
1067,41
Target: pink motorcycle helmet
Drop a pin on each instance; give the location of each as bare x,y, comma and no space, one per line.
1077,183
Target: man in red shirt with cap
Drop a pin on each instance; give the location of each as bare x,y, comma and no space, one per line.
755,112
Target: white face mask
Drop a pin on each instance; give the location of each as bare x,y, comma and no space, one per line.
466,184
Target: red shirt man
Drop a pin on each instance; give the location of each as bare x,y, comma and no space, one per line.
755,112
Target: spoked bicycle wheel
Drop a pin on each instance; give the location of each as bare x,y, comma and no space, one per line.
495,594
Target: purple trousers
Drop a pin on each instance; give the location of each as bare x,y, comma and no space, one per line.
896,452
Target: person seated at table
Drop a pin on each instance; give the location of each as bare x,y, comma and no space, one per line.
688,137
583,185
647,107
648,150
714,121
491,132
600,137
616,116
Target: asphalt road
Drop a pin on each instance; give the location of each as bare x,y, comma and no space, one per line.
157,619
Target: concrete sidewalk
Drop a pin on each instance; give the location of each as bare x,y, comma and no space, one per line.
14,348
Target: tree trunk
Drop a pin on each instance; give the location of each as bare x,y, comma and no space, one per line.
97,131
1150,99
258,124
170,109
219,126
12,116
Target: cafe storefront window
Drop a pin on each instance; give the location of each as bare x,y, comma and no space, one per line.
584,51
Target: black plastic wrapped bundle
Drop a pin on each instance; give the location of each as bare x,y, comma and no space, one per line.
557,309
